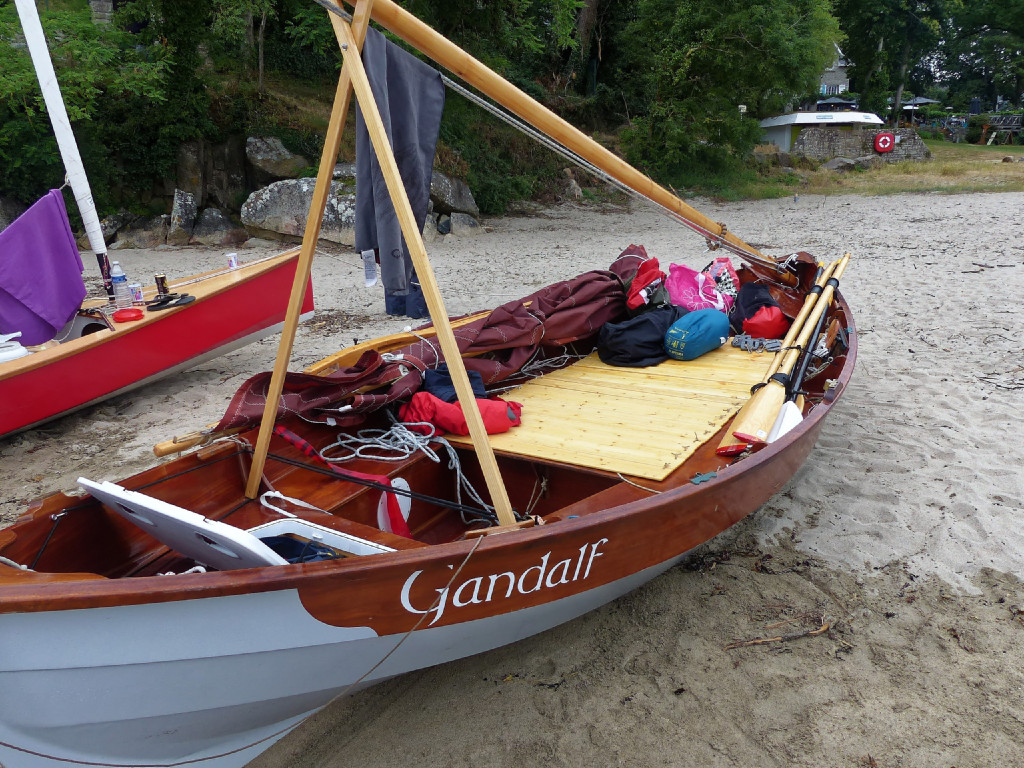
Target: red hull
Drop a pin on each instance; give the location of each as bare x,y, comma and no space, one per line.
106,363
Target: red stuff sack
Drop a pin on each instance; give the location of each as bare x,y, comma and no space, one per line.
498,415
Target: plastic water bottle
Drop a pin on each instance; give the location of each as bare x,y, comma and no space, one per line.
122,293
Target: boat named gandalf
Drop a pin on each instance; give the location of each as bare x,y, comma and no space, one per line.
315,542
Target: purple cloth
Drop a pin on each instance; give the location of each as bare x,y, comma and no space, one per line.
41,284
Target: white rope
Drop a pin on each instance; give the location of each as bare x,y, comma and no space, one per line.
400,443
19,566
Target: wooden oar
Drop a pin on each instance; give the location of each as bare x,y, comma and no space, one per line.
792,412
765,404
731,445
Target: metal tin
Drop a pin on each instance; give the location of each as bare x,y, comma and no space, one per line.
232,261
136,289
161,284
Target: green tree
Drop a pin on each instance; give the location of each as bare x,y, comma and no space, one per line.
104,78
982,52
886,41
688,66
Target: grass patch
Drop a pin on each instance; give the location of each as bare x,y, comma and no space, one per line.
953,168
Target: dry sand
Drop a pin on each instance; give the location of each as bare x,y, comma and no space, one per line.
902,531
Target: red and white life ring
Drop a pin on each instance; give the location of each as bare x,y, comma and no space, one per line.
884,142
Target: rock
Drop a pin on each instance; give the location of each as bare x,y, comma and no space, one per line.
430,233
109,227
572,187
215,228
283,207
268,160
183,218
191,173
1020,159
10,209
143,233
225,174
866,162
840,164
464,225
452,195
345,173
444,223
259,242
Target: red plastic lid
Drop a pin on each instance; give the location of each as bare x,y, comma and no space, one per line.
127,315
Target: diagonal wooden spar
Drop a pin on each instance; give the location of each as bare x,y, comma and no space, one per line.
354,78
447,54
332,143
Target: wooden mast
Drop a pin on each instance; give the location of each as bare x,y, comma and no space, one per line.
354,77
328,159
444,52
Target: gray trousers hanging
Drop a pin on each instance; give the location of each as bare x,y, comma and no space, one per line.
410,97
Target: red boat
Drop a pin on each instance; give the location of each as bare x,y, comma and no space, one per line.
101,358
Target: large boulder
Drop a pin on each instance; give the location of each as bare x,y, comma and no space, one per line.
183,218
464,225
451,195
345,173
840,164
215,228
282,207
10,209
268,161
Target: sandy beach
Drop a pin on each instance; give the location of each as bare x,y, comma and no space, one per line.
882,585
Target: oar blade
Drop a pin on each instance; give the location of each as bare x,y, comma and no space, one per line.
789,417
763,408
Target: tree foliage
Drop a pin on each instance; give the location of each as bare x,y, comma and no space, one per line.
673,72
690,64
104,78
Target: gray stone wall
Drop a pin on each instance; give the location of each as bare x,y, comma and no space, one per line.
102,10
825,142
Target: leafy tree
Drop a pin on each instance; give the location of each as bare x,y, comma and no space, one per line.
241,25
887,40
982,52
105,79
687,66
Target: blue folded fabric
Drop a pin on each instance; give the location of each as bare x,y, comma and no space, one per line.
439,384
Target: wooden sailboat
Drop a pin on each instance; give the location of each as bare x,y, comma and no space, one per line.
97,357
105,662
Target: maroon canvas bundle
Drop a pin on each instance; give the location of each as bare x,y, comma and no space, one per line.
497,346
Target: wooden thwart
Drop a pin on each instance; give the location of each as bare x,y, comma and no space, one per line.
642,422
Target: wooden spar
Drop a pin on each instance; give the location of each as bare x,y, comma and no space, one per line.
332,143
444,52
425,273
